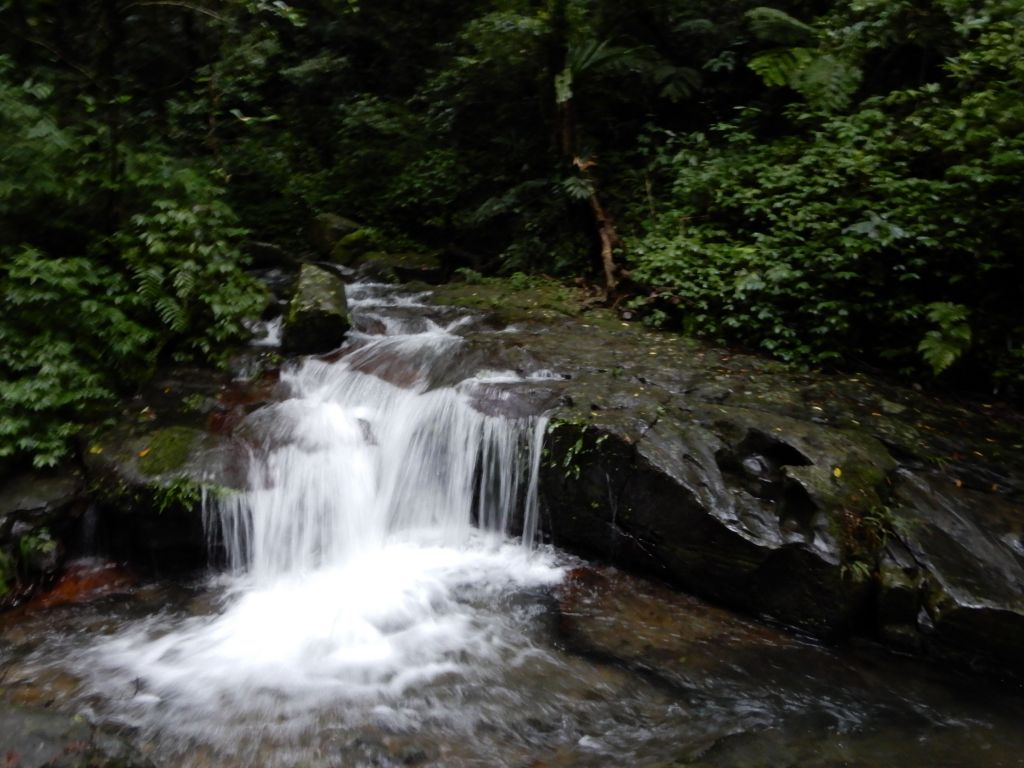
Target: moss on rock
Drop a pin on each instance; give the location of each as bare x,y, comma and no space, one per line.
317,317
8,574
353,246
167,450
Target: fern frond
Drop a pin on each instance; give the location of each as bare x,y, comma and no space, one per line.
694,27
184,280
828,83
677,83
943,346
774,26
577,187
782,66
149,280
172,314
594,55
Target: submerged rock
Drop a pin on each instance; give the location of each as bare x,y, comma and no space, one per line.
777,699
38,738
317,317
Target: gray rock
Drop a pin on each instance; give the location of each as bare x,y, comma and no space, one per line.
317,317
35,738
326,229
38,510
839,504
37,499
150,482
971,582
675,496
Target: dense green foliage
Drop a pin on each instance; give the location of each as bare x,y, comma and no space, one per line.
114,252
867,231
834,183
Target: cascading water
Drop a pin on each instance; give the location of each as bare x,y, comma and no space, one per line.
351,464
383,607
373,533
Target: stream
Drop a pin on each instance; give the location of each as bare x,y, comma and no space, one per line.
386,600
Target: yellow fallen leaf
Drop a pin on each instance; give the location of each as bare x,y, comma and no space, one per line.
144,452
94,449
837,472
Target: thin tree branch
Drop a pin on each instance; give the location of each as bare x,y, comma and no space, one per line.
61,57
177,4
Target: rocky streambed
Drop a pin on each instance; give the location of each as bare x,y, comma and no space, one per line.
841,505
845,508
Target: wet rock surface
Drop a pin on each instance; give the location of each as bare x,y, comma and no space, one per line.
38,511
148,474
317,317
768,698
39,738
838,504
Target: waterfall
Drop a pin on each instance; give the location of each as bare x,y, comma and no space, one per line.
383,515
348,462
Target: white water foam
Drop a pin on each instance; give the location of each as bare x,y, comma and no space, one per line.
366,554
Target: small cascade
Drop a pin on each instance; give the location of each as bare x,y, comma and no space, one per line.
382,517
348,462
386,603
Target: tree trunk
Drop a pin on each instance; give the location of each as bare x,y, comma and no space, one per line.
609,239
566,137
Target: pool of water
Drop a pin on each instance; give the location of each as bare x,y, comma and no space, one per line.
565,665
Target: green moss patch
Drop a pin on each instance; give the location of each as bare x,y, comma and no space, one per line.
8,574
167,450
518,298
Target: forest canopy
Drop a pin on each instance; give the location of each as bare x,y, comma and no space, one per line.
835,184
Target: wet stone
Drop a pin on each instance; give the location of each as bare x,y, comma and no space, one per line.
775,491
317,317
37,738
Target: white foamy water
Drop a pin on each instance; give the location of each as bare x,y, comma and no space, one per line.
382,523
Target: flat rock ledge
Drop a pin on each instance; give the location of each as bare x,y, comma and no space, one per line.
840,505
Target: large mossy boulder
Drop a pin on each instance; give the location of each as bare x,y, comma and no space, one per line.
365,251
409,266
349,249
325,230
317,317
837,504
752,510
150,483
